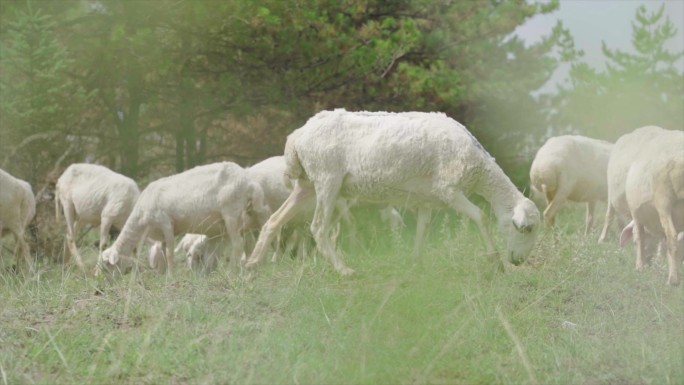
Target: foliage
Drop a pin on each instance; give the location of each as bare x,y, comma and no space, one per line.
40,104
179,83
635,89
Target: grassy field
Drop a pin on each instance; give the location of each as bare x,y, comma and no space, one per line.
580,314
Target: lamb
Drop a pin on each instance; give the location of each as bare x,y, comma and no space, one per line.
189,243
571,168
17,209
412,159
91,194
193,246
626,149
654,191
209,200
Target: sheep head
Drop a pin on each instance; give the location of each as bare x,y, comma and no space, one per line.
113,261
522,232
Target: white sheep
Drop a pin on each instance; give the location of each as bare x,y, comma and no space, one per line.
413,159
192,248
627,148
209,199
189,243
571,168
90,194
654,191
17,209
269,175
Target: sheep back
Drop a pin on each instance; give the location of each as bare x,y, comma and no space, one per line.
379,153
577,160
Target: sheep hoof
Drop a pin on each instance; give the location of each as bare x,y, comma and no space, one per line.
345,271
251,264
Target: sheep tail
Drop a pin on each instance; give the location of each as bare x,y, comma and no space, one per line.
293,166
545,191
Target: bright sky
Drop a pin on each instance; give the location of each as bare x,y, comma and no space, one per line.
592,21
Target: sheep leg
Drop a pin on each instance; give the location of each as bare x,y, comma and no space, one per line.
295,242
671,237
71,223
343,214
610,214
237,242
77,255
292,205
278,242
212,252
557,201
638,235
591,206
22,248
248,240
461,204
105,226
168,245
424,215
326,195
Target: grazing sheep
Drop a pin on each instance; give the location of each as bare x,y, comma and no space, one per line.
654,191
91,194
191,247
189,243
413,159
269,174
627,148
209,199
571,168
17,209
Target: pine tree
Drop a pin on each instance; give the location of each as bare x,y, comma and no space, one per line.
39,103
636,89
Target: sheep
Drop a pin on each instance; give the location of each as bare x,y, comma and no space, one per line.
90,194
17,209
207,199
654,191
627,148
192,247
269,175
413,159
189,243
571,168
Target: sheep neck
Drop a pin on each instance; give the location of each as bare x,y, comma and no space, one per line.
130,235
499,191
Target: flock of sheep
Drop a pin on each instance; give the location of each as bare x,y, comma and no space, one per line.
423,161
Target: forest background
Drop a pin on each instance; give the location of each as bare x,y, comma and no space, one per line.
149,88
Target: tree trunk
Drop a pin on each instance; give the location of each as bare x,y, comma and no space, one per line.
129,124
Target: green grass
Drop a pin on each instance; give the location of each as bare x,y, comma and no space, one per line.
579,315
